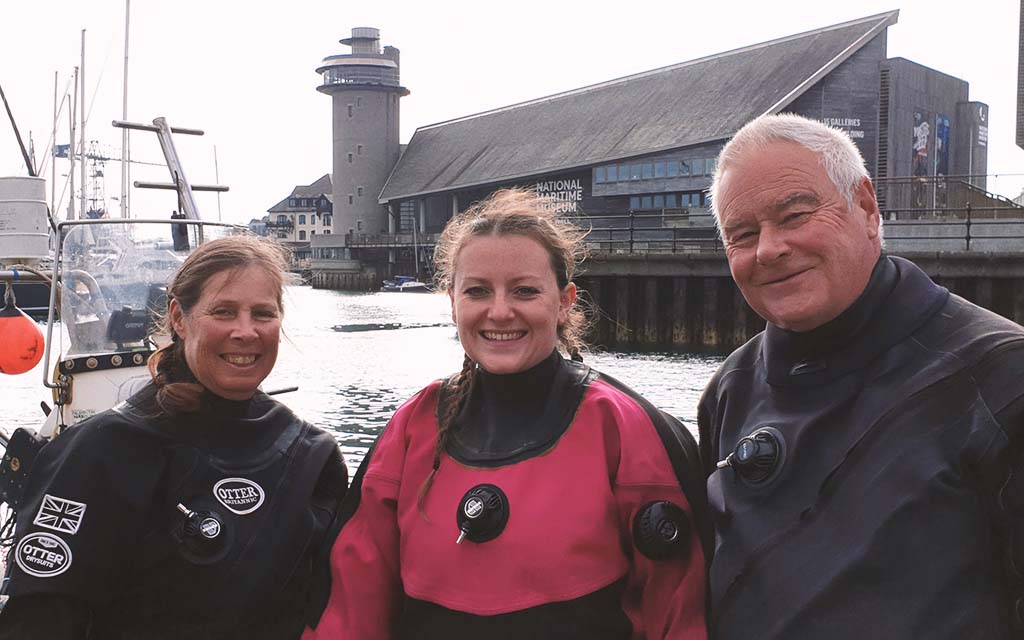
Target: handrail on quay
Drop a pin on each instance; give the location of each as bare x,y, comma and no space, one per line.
693,231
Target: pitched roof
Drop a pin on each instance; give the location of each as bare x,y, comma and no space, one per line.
686,104
322,187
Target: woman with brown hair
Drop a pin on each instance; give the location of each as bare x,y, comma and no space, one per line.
195,508
527,496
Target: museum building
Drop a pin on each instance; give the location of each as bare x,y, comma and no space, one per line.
642,145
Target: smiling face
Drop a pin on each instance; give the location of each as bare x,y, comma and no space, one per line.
506,302
232,333
797,251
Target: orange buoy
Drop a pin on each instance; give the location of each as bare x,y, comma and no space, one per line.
21,341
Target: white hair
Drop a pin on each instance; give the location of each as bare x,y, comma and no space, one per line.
838,154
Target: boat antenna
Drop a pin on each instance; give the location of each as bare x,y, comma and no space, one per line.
17,134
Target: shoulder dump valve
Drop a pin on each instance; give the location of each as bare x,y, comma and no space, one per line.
482,514
758,457
661,529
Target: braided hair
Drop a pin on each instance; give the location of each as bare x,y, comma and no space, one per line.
519,212
177,389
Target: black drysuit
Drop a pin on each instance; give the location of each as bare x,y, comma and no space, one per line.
104,550
898,508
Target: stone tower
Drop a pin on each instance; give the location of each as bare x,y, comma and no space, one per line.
365,90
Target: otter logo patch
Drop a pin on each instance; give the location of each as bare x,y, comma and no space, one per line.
239,495
43,555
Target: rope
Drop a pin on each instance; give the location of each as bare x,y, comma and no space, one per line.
9,299
7,529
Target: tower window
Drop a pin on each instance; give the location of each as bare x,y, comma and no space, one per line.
350,199
350,111
359,101
359,191
359,149
350,158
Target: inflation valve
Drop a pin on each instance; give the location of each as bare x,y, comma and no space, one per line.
482,514
758,457
203,535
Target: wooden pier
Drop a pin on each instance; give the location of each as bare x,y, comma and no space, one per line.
690,302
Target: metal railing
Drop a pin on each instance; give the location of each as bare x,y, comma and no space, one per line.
968,228
693,231
662,231
391,240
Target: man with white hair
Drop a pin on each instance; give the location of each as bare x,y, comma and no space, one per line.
866,448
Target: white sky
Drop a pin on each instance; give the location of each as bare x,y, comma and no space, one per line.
244,71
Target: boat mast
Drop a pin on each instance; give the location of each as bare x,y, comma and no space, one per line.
82,210
124,116
17,134
53,151
216,176
71,147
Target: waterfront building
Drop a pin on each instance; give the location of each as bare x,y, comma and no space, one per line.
300,217
641,147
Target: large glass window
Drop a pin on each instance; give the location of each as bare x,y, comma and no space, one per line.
599,175
670,200
684,167
302,235
697,166
659,169
648,170
612,173
634,202
659,201
634,172
645,202
302,218
711,164
623,172
672,169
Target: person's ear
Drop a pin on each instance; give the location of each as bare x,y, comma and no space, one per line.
567,298
864,199
176,317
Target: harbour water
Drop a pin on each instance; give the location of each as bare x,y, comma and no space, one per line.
351,382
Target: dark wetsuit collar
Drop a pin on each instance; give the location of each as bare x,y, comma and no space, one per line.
223,427
523,383
508,418
898,298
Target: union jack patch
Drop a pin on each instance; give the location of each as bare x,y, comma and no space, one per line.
60,514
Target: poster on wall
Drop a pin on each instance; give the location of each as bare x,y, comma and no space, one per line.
941,157
919,161
982,125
